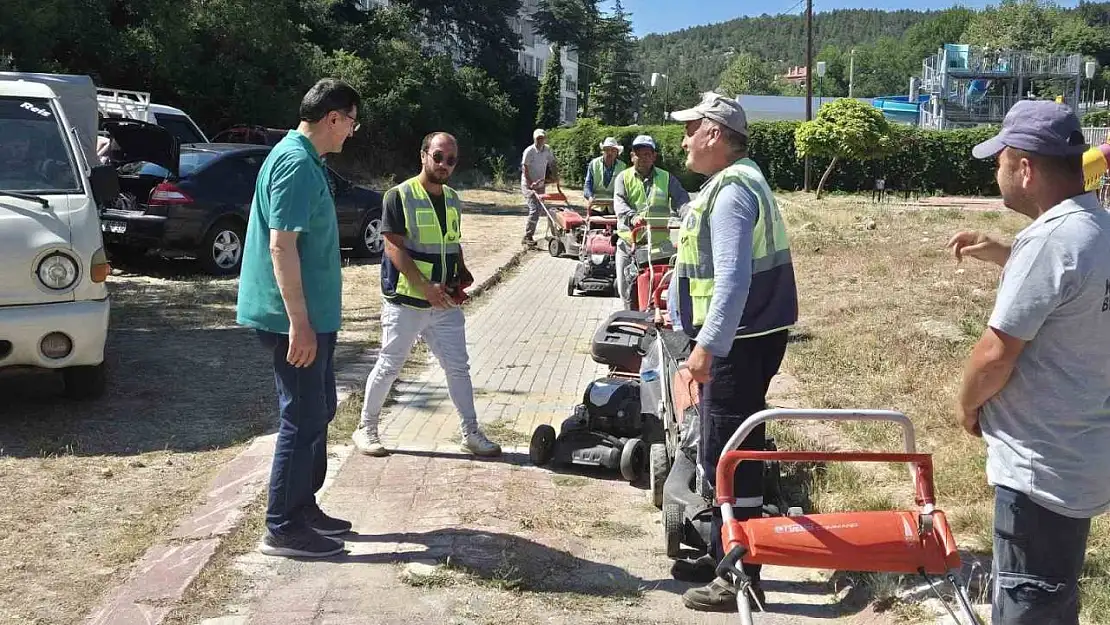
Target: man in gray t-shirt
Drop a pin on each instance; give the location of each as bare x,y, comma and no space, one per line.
535,164
1037,385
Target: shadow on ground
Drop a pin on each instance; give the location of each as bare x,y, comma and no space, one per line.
182,375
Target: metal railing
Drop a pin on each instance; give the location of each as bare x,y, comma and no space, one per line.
976,61
1096,135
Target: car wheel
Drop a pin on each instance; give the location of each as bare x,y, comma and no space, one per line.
85,382
221,252
370,242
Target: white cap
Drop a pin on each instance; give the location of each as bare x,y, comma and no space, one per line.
537,133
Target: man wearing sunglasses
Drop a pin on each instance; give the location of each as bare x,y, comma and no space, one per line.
734,295
423,276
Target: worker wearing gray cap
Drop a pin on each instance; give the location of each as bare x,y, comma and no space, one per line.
644,194
1036,386
733,293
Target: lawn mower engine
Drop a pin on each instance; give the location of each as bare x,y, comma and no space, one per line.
597,269
604,431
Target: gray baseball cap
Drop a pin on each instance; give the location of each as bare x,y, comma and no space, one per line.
1039,127
724,111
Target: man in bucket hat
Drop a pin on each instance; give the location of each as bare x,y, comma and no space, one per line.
1036,386
734,295
644,194
602,172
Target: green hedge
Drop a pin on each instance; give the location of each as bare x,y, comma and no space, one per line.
929,161
1097,118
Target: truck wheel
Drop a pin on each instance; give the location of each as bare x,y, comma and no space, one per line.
542,446
221,252
632,459
673,523
83,383
658,466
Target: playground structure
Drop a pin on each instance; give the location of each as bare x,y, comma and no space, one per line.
963,86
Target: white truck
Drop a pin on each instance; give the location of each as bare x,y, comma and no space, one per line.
128,104
54,303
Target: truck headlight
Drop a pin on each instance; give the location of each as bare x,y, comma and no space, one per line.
58,271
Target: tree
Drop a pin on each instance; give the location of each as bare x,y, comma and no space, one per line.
746,75
550,97
844,129
613,97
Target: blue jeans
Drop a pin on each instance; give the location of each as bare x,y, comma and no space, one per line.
1038,556
306,404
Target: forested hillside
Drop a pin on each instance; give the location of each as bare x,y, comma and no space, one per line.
749,54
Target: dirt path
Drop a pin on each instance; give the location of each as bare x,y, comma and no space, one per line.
90,486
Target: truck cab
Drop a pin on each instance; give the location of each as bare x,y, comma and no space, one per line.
54,300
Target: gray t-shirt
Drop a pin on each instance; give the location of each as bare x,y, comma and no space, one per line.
535,162
1048,430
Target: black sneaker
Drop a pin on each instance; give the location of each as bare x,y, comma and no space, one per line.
325,525
302,544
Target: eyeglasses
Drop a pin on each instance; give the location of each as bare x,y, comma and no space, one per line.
356,126
438,157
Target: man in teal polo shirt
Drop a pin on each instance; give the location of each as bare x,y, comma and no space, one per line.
290,291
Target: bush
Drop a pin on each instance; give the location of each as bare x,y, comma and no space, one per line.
929,161
1098,119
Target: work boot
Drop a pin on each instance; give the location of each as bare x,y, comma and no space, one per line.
719,596
368,442
477,444
528,242
699,571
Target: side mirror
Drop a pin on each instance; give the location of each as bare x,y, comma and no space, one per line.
105,184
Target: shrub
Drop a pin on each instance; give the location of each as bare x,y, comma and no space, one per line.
929,161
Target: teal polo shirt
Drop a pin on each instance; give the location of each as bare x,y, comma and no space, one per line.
292,194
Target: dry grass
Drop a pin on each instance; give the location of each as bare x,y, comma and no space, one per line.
891,319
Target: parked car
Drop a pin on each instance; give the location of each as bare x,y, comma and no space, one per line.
244,133
200,209
54,303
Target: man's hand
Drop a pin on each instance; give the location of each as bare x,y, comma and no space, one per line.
436,295
698,363
978,246
969,420
302,345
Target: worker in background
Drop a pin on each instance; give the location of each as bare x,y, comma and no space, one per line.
535,165
734,294
602,172
645,194
422,277
1036,386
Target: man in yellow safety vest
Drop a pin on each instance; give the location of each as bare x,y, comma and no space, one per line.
422,276
602,173
648,195
734,294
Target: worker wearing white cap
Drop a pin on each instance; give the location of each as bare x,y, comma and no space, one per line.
537,162
734,294
644,194
602,172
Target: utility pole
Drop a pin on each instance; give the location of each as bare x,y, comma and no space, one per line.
851,71
809,76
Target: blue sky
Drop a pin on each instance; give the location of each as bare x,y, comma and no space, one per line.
662,16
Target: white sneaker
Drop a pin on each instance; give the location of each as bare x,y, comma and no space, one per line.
368,442
477,444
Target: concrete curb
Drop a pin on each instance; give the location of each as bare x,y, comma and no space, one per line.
166,570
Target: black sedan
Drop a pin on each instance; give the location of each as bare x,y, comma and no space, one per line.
201,210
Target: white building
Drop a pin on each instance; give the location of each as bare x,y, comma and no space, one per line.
536,53
534,56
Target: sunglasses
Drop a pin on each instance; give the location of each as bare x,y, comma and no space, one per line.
438,157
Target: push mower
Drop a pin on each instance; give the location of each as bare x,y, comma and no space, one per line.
645,270
592,239
917,541
609,428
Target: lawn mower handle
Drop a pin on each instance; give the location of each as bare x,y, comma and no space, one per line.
806,414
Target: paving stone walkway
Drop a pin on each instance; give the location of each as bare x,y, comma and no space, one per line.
514,544
529,357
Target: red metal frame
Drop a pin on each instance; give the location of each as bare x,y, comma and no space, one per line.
880,541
